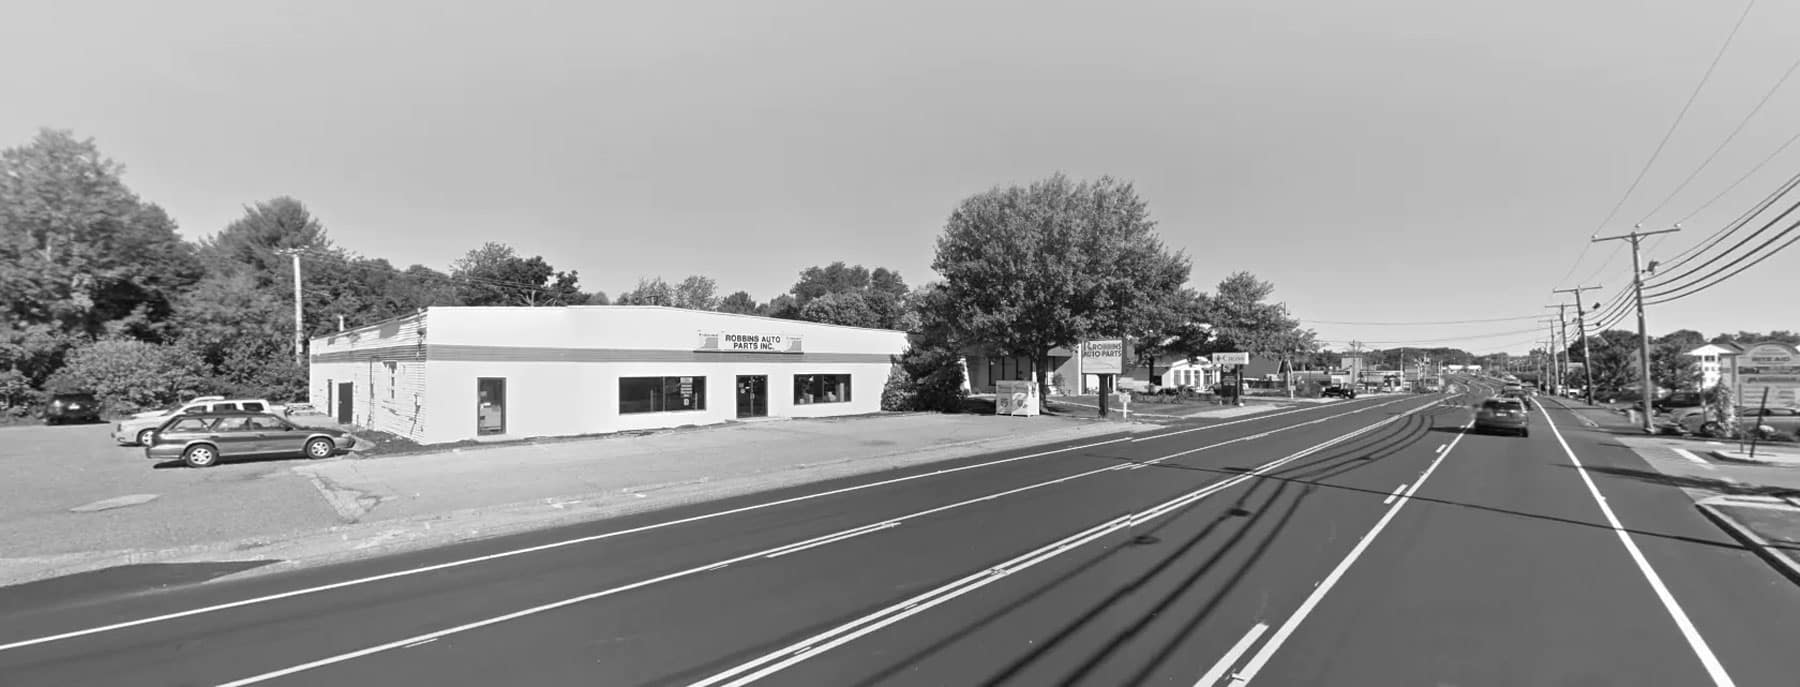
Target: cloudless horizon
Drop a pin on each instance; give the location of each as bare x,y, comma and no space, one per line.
1378,162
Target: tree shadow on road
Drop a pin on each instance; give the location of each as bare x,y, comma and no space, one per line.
1692,482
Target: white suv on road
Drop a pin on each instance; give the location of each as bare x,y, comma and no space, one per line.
137,430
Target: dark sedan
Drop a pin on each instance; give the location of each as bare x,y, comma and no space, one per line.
1503,414
202,440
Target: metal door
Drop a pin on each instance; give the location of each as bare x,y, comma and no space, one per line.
490,405
346,402
752,396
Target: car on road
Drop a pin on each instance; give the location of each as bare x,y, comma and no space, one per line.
72,407
203,439
136,430
1523,396
1337,391
1502,414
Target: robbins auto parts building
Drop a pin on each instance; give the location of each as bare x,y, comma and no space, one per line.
453,373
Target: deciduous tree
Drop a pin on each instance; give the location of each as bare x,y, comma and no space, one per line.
495,274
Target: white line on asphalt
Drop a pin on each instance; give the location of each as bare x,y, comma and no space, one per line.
423,643
796,548
996,572
781,659
1689,455
609,535
1259,418
1212,677
1396,494
1714,668
1441,447
1306,607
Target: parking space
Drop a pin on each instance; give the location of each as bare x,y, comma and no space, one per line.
71,489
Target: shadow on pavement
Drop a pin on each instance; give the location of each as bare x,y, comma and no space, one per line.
1692,482
82,588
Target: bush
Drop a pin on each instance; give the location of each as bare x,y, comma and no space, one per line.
925,378
128,374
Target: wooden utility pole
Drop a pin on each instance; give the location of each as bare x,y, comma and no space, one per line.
299,324
1587,363
1647,388
1562,325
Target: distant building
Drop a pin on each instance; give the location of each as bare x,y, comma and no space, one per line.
1714,361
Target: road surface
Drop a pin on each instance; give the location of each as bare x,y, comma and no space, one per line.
1367,542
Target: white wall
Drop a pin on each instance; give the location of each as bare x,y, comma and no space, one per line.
638,327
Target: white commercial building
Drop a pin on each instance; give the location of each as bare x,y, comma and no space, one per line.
454,373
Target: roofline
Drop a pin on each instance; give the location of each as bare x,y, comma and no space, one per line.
375,325
657,307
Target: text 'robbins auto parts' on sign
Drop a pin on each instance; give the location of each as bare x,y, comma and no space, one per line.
1103,357
749,343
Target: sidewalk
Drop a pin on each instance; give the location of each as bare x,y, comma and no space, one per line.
400,502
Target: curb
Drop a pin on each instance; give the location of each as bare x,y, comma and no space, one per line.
1721,456
1782,562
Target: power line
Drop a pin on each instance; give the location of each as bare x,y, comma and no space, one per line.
1695,95
1454,338
1691,289
1727,252
1740,180
1654,154
1439,322
1728,138
1736,225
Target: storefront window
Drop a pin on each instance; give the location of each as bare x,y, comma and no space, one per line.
810,389
661,394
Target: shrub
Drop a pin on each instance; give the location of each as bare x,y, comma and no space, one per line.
925,378
128,374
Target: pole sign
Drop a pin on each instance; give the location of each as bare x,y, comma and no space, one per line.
1231,358
1773,368
1103,357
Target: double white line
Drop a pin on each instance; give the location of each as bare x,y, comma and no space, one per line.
797,652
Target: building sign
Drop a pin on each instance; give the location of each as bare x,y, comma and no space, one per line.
1771,366
740,342
1231,358
1103,357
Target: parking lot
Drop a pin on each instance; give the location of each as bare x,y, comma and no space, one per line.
71,490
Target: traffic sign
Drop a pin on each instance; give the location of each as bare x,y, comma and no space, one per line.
1231,358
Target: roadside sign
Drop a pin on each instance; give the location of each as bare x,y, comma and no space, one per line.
1103,357
1231,358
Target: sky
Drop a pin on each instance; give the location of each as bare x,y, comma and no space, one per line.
1377,161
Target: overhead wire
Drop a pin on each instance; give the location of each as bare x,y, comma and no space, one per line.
1679,293
1422,322
1665,282
1724,232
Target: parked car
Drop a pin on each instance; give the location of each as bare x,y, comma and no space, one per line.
137,430
72,407
1679,400
1337,391
1772,421
1503,414
203,439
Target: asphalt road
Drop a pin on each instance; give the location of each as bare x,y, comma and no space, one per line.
1368,542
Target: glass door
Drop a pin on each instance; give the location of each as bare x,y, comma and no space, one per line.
752,396
490,408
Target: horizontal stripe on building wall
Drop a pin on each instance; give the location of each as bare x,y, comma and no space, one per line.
409,352
536,354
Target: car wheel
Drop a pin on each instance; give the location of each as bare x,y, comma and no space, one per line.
200,456
320,448
146,436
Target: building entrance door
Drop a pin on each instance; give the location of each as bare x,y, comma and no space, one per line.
752,396
346,402
490,408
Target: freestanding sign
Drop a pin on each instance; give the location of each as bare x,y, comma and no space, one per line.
1103,357
1016,398
1231,358
1772,366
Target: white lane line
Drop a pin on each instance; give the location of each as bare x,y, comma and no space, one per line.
1306,607
1441,447
1212,677
1689,455
428,641
1396,494
783,658
269,598
1259,418
1714,668
831,540
1213,488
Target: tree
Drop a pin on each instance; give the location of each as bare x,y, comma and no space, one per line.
1243,322
598,298
784,306
697,293
850,309
494,274
78,250
929,375
1615,363
648,292
1670,365
836,277
132,374
740,303
1030,269
255,240
882,294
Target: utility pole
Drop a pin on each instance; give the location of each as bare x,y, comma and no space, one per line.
1562,325
299,326
1587,363
1647,388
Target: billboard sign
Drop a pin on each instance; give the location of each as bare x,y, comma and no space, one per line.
1103,357
1772,366
1231,358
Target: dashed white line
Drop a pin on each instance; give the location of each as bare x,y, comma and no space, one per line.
1714,668
421,643
1212,677
1441,447
1306,607
1396,494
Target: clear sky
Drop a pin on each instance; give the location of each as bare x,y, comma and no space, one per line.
1379,161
